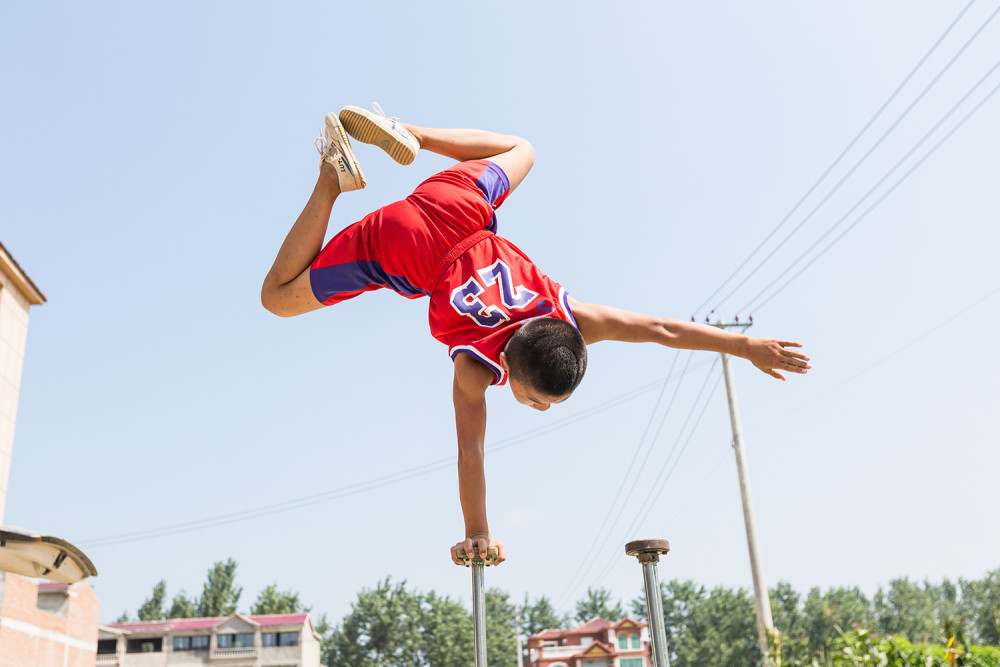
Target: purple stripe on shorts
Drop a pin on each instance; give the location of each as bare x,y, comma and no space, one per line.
493,183
329,281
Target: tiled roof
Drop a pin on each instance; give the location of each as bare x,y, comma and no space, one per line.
47,586
188,624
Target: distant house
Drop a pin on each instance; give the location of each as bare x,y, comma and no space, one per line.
268,640
596,643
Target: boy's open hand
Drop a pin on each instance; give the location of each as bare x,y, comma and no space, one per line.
483,543
772,356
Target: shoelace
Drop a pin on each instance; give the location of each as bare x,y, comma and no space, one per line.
321,145
378,109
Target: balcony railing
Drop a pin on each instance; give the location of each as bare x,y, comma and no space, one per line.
232,653
107,660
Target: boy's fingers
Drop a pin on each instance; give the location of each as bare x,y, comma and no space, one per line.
789,343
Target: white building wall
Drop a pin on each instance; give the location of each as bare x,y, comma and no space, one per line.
14,306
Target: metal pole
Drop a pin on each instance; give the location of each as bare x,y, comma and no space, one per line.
478,596
765,625
479,611
648,552
517,630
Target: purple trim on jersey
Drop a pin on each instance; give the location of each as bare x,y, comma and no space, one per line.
481,358
329,281
564,300
493,183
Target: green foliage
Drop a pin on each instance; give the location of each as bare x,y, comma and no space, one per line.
981,607
123,618
182,607
596,604
383,628
861,648
447,637
500,632
907,610
152,608
220,594
540,615
272,601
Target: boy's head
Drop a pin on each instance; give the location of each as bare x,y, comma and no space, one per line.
545,359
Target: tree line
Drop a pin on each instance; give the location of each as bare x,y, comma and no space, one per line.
390,624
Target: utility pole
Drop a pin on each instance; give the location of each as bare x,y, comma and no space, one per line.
517,632
762,602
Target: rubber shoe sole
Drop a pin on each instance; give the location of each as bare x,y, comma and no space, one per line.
365,127
348,170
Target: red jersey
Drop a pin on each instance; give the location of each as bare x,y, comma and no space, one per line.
440,242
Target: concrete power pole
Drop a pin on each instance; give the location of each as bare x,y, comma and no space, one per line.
762,602
517,631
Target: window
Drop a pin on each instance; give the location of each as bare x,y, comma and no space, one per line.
241,640
635,642
631,662
196,643
106,646
280,639
594,663
147,645
622,641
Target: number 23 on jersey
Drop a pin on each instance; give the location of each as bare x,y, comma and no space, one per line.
467,299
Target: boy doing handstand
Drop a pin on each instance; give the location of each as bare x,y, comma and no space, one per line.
503,320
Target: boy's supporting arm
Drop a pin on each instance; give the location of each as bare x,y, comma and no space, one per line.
469,392
771,356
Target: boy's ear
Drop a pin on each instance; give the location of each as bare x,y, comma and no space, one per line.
503,362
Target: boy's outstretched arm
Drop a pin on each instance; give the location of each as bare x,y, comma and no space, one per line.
771,356
469,392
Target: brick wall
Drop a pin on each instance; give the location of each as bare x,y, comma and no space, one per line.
33,637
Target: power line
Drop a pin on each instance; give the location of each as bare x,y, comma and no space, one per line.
843,153
868,153
656,488
877,185
611,508
370,484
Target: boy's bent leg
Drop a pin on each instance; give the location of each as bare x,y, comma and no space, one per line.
511,153
287,290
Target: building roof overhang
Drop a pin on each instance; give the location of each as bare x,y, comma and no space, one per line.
10,268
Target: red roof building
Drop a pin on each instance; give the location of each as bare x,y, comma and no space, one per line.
596,643
265,640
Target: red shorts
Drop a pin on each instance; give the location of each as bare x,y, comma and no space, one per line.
407,245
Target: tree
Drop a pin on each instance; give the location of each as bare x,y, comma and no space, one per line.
596,604
382,629
182,607
500,634
828,614
906,610
720,630
123,618
272,601
446,638
539,616
980,604
220,594
152,608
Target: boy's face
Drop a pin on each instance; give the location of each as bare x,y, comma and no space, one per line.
526,395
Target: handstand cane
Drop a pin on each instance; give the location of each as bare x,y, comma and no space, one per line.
648,552
479,597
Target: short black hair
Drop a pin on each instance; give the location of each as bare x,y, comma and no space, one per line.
549,355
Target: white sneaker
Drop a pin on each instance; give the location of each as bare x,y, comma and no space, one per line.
335,148
380,130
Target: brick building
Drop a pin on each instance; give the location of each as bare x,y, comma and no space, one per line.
46,624
266,640
596,643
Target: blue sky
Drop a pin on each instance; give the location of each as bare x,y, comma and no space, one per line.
156,155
